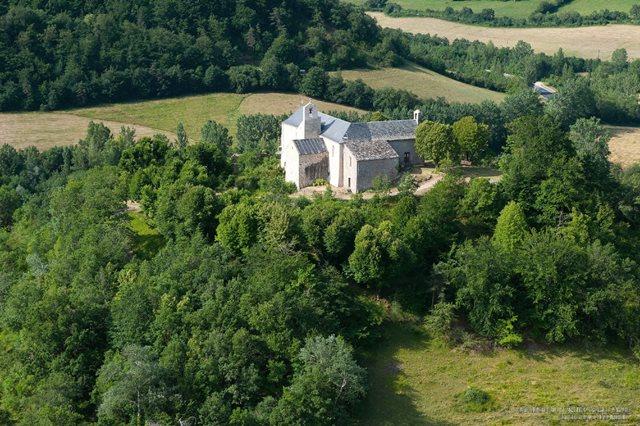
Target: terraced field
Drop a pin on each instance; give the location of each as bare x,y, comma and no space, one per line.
589,42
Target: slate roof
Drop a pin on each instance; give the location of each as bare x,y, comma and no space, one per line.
364,150
331,127
310,146
382,130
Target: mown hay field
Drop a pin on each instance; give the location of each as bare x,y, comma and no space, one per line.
424,83
414,380
588,42
47,129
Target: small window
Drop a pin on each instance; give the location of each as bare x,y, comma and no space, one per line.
333,150
349,163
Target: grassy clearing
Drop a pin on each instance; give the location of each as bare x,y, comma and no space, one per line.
147,240
589,42
586,7
424,83
45,129
512,9
414,381
625,145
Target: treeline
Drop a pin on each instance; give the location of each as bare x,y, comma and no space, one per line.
254,307
68,53
545,15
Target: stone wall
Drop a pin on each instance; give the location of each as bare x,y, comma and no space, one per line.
350,170
335,151
407,145
368,170
312,167
289,159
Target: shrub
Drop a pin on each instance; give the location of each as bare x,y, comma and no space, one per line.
474,400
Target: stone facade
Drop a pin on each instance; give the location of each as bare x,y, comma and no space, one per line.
318,146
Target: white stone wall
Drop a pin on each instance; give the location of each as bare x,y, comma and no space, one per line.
335,151
289,158
350,170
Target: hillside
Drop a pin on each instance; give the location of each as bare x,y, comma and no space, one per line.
423,82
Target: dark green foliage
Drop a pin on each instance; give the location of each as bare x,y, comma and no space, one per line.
60,54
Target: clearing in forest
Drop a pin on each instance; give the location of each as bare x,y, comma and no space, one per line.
414,380
588,42
424,83
47,129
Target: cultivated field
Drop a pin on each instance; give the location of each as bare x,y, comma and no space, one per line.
513,9
625,145
424,83
588,42
47,129
413,381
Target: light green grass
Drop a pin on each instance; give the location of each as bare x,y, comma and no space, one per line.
165,114
585,7
512,9
147,240
413,381
424,83
194,111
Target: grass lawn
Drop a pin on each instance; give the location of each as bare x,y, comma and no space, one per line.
414,380
47,129
147,240
424,83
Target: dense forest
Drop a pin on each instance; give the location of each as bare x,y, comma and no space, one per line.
254,307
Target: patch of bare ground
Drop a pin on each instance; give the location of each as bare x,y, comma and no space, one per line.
45,130
588,42
625,145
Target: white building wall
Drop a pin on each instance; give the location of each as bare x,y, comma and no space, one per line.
335,151
289,158
350,170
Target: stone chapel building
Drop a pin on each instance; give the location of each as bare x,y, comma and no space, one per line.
314,146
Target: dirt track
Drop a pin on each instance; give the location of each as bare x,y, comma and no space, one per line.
588,42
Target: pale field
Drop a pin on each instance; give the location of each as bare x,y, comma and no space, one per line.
625,145
47,129
588,42
424,83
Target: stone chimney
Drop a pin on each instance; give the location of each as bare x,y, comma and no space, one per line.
417,116
310,121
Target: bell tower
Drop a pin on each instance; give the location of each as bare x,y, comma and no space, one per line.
311,126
